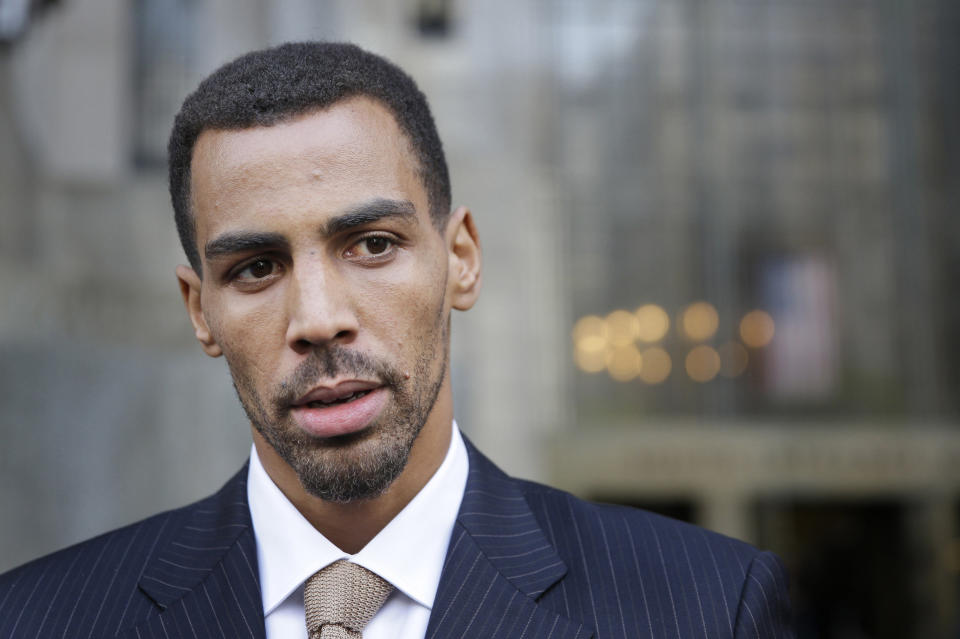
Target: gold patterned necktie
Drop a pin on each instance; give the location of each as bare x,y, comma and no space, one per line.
341,599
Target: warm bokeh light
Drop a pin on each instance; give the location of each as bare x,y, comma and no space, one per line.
756,329
589,326
624,363
703,363
699,321
590,360
656,365
653,323
622,328
590,344
733,359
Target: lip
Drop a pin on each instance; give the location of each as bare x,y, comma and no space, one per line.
330,392
343,418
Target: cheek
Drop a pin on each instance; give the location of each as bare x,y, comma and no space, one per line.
248,334
413,303
426,312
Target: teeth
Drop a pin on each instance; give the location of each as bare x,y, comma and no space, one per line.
343,400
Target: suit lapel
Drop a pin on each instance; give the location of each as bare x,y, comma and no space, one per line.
205,578
498,565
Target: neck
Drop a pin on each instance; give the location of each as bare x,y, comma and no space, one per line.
350,526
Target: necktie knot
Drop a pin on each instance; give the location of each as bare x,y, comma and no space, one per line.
341,599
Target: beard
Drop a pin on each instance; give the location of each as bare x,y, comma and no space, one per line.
359,465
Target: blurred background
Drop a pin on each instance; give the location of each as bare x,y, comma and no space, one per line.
722,244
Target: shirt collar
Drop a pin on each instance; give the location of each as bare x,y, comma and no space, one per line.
409,552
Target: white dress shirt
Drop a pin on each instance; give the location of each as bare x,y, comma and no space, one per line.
409,552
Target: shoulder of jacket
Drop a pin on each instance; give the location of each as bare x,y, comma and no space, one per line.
546,501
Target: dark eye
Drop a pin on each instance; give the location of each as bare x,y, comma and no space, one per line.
258,269
377,245
372,246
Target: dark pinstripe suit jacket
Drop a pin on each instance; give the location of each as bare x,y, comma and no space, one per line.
524,561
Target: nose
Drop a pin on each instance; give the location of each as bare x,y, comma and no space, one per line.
320,309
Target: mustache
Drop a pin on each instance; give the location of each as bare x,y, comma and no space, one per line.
332,362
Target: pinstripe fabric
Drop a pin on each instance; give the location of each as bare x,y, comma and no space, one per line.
529,561
190,572
524,561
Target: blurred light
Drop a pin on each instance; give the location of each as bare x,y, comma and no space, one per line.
699,321
590,344
590,361
703,363
624,363
733,359
589,326
655,365
622,328
653,323
756,329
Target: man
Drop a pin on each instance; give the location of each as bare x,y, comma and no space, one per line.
311,194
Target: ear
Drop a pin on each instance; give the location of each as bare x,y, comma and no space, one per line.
190,289
463,246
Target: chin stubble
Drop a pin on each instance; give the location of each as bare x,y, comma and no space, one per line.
352,467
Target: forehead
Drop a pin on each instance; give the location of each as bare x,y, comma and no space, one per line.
324,161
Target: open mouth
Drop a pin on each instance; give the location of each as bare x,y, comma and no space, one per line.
341,409
340,400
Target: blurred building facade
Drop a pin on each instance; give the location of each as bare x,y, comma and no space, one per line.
734,224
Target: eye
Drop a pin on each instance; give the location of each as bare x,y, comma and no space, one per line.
258,269
372,246
376,245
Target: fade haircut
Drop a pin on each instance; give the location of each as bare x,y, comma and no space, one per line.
266,87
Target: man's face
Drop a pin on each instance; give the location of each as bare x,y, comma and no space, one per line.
326,287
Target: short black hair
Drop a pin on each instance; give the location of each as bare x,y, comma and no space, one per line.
266,87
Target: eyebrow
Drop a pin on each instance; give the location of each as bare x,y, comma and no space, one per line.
242,242
365,213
